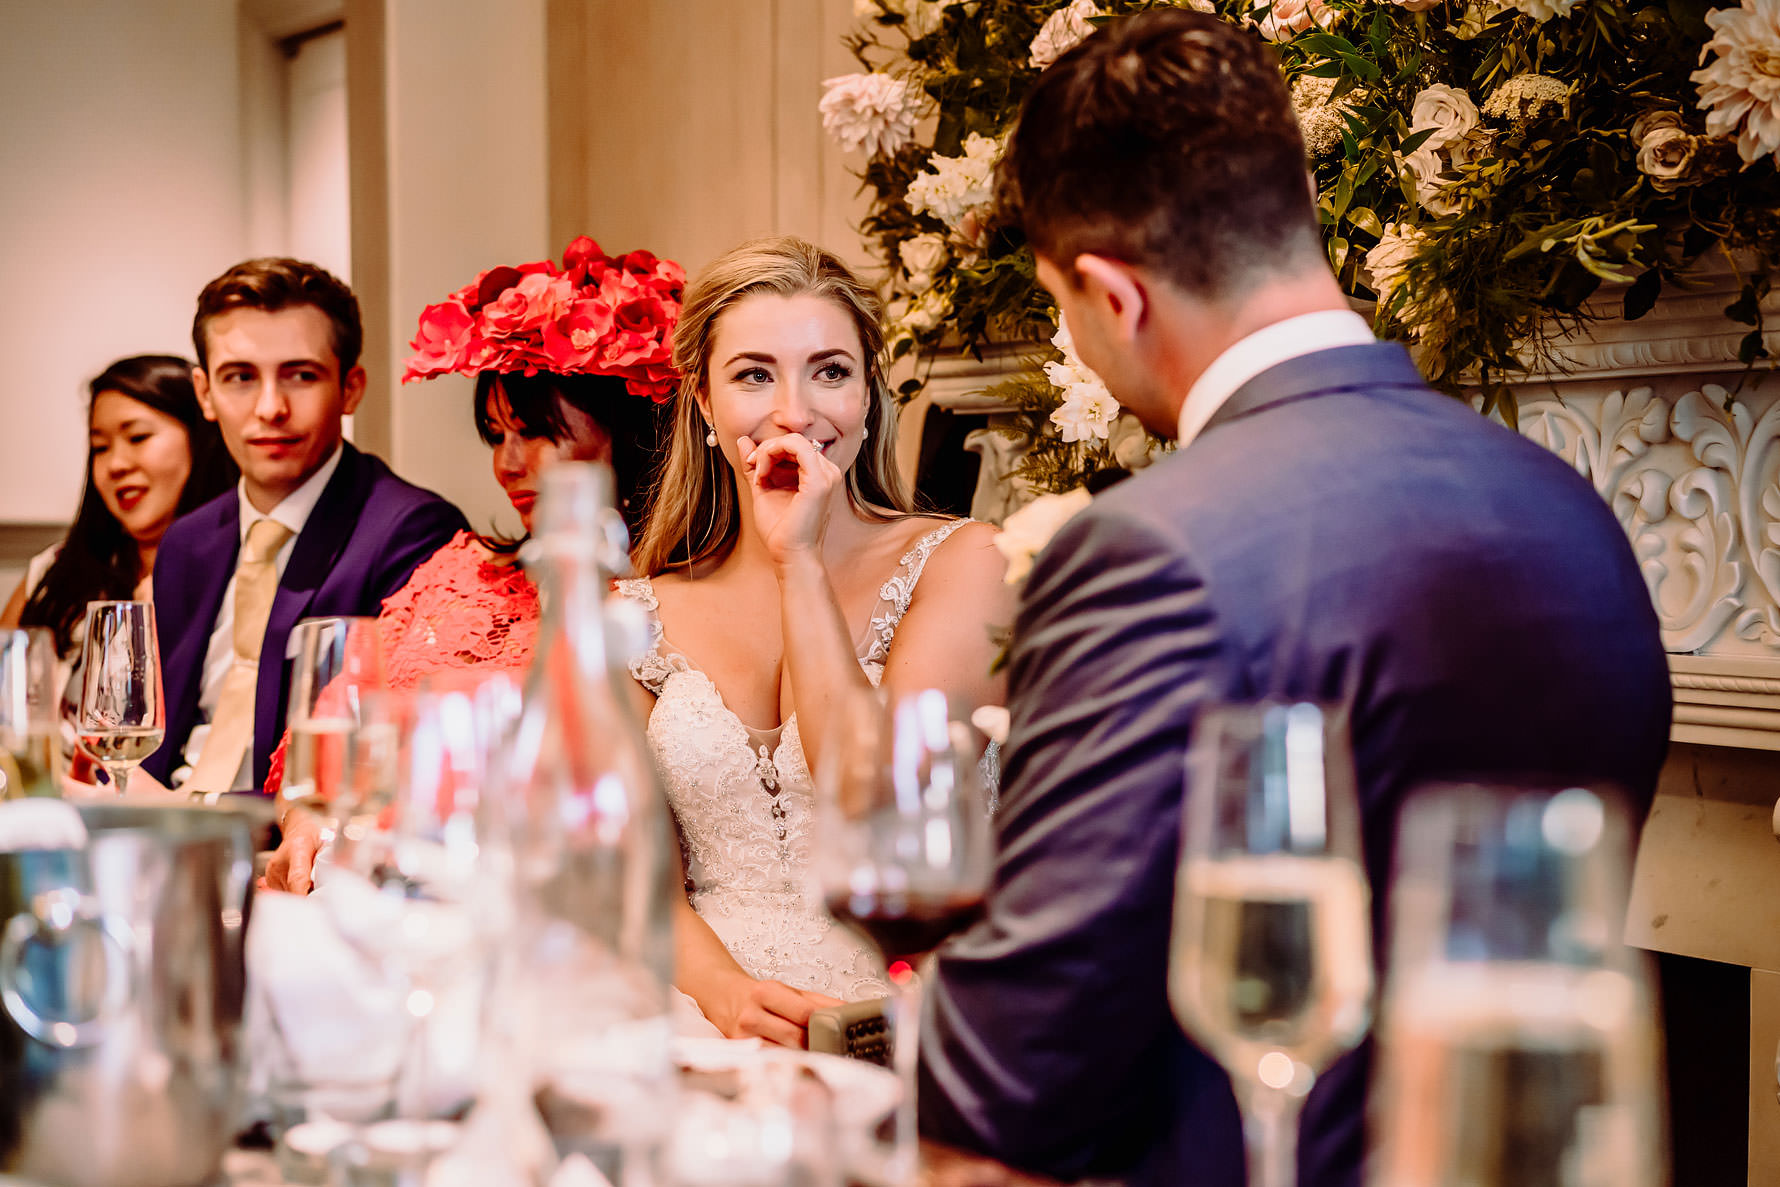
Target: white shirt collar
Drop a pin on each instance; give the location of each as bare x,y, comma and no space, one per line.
1267,347
294,509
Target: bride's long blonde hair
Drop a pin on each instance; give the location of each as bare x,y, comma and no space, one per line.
693,513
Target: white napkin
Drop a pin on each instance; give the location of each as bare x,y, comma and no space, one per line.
40,823
322,1015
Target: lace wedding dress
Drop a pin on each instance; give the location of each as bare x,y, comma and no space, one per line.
744,800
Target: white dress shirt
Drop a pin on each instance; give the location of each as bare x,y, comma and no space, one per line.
1267,347
293,513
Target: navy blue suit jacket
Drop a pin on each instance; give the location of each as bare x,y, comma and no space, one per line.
367,533
1338,532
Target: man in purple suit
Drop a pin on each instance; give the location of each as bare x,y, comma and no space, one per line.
1328,529
315,528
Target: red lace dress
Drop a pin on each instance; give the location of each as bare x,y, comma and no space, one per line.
459,610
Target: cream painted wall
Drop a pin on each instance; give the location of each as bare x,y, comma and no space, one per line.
121,154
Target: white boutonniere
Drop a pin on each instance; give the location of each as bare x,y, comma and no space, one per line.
1026,532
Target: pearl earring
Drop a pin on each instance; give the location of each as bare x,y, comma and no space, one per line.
711,438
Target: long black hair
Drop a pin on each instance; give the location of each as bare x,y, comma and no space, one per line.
636,424
99,560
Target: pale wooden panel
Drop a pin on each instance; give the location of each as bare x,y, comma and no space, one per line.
1707,882
689,127
680,128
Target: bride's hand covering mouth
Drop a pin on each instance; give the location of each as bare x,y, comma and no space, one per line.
791,482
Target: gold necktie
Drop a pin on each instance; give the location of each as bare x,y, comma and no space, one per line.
231,729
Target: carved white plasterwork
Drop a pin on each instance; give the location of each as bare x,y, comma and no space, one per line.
1684,444
1679,439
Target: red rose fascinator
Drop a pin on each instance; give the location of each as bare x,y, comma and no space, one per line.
595,315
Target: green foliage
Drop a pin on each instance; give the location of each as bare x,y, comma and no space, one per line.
1517,226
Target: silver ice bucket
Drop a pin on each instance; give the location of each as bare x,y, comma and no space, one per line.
122,983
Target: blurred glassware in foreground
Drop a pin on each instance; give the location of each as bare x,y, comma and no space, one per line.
28,720
902,850
1518,1045
595,858
122,715
337,664
1271,963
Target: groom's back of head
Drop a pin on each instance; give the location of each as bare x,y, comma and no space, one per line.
1166,139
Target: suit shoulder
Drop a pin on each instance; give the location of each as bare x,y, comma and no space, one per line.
389,496
199,522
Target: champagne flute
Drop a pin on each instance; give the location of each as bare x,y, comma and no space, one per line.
903,851
1270,968
28,720
1518,1040
122,716
337,664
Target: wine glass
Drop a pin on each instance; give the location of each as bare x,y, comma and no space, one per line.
902,850
1518,1043
122,716
28,720
418,890
337,663
1270,967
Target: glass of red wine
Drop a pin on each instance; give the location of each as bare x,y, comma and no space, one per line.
903,851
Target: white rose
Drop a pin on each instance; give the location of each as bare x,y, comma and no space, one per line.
1288,18
1029,529
876,112
927,312
924,254
1425,165
1665,156
1542,10
1447,110
1061,31
1387,259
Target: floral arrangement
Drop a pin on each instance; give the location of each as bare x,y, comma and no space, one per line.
1483,167
594,315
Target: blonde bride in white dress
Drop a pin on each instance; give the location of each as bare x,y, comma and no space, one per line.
783,565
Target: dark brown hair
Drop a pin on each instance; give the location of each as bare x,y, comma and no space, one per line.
1167,140
636,425
98,560
275,284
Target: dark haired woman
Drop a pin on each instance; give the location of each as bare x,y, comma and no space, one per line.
593,394
151,457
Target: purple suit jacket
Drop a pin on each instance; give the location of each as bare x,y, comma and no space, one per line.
1339,533
366,535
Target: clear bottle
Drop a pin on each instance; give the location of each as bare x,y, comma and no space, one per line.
594,854
29,752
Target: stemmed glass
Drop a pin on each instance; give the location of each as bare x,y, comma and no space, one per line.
417,889
28,721
336,671
1270,969
902,849
122,716
1518,1040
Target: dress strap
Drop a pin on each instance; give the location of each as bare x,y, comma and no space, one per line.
651,668
896,593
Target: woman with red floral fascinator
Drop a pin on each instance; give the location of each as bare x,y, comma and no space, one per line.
785,569
572,363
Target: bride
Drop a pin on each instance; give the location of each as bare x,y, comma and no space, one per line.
783,565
